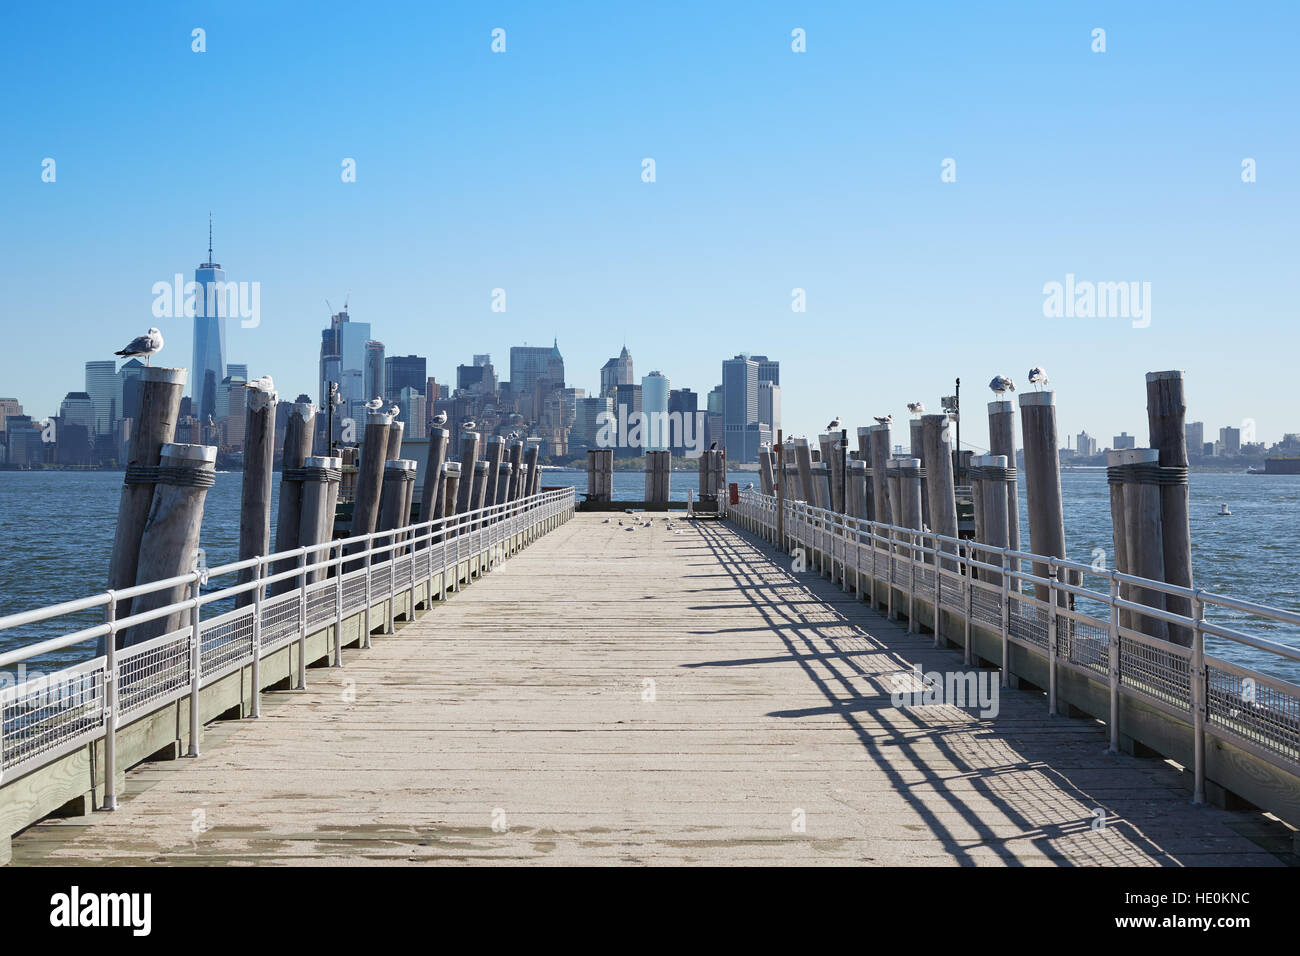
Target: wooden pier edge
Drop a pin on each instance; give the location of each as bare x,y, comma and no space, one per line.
74,784
1236,777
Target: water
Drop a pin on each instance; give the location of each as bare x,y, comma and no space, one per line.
57,529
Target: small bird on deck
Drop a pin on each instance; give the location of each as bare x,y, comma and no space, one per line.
440,419
1000,385
886,420
149,344
606,521
916,408
375,404
263,384
834,425
1038,377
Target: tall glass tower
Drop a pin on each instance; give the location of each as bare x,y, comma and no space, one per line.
209,365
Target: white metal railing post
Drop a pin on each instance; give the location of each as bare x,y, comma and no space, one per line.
258,589
196,665
367,563
1005,617
968,599
911,583
1199,692
1113,660
389,625
938,590
111,681
1051,636
889,584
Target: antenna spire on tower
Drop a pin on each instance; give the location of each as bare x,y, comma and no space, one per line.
209,235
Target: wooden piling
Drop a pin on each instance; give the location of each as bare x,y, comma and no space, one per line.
160,402
255,488
494,455
858,489
1167,418
916,436
445,506
170,542
908,472
766,471
398,473
803,463
437,455
320,483
532,454
1143,534
600,474
370,474
516,450
505,475
936,443
879,452
1042,481
991,470
478,494
469,442
396,429
1115,476
299,434
658,469
1002,441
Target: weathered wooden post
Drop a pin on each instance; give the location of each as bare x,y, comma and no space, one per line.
766,472
370,474
445,506
299,433
989,472
495,454
506,474
658,467
516,470
833,461
858,489
396,429
600,474
170,542
524,479
803,464
160,402
1167,417
1002,441
438,440
351,455
478,494
936,435
320,482
1143,534
915,434
255,490
531,455
1117,463
398,473
468,455
974,476
1042,481
879,451
907,472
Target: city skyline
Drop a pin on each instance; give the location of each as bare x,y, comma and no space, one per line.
1125,165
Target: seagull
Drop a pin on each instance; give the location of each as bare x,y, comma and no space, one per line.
1038,377
916,408
469,425
375,404
1001,385
440,419
713,447
834,425
263,384
394,411
150,343
887,420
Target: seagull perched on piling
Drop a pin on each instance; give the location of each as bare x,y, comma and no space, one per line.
394,410
440,419
886,420
916,408
469,426
1001,385
263,384
834,425
375,404
150,343
1038,377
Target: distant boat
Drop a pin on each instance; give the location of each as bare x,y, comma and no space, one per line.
1223,509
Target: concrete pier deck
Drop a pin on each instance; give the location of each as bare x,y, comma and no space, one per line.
650,696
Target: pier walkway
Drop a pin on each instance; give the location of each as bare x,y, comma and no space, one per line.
659,695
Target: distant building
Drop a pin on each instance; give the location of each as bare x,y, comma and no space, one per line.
105,392
343,360
530,364
1230,440
768,370
208,367
616,372
589,418
9,408
739,407
77,408
24,441
128,387
654,409
769,402
683,404
230,385
413,413
1123,440
402,372
1085,445
1195,432
374,382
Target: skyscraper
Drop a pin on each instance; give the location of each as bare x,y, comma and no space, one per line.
654,409
128,386
530,364
105,392
768,370
209,365
769,402
404,371
616,372
375,385
739,406
343,360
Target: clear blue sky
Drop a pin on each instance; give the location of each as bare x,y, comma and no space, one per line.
775,170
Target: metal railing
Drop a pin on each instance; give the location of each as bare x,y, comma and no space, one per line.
44,718
1041,603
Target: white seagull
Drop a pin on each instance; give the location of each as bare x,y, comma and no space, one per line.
886,420
263,384
916,408
150,343
1001,385
1038,377
375,404
440,419
394,411
468,426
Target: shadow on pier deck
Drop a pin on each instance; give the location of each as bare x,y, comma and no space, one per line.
650,696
